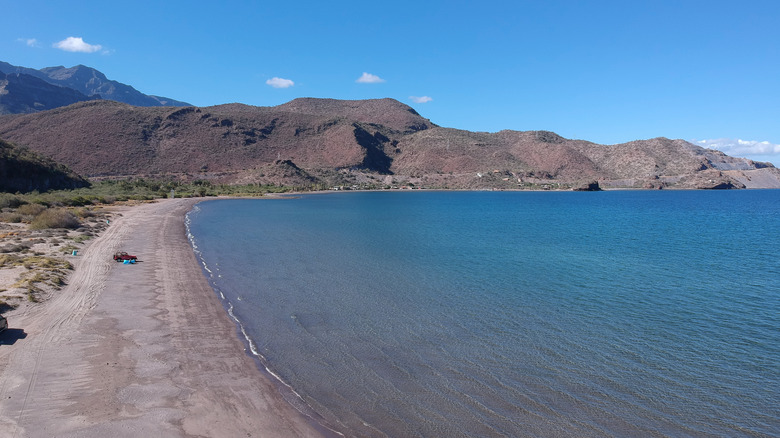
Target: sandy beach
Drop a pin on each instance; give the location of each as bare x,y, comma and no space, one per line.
136,350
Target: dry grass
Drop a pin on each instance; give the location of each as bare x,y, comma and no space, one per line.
54,218
31,209
34,263
41,272
10,217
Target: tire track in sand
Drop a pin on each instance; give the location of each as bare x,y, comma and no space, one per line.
56,321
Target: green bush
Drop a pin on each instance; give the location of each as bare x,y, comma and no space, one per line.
77,201
8,200
54,218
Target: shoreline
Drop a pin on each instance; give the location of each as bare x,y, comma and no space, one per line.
286,391
138,350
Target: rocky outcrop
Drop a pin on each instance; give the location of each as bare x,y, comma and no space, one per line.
710,180
590,186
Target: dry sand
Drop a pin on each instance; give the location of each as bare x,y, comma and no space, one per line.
136,350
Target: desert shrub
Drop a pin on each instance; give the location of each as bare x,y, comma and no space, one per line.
45,200
31,209
80,239
54,218
21,247
76,201
49,263
11,218
84,213
8,200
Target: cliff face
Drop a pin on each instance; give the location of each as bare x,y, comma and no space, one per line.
320,141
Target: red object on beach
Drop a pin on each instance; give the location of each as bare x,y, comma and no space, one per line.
121,256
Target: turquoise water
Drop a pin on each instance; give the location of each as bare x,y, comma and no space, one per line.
491,314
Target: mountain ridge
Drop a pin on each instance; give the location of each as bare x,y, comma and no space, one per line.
104,129
378,142
21,93
91,82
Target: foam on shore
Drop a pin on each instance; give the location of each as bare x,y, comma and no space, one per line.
286,390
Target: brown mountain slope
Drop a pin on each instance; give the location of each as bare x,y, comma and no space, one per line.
108,138
381,141
386,112
544,157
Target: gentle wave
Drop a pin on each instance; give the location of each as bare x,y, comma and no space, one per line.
296,400
510,314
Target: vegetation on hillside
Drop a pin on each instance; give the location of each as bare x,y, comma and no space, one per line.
22,170
112,191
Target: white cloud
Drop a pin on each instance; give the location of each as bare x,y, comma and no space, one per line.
280,82
420,99
740,147
30,42
77,44
752,149
368,78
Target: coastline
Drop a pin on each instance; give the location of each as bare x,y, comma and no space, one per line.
137,350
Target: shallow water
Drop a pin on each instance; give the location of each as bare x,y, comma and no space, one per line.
438,314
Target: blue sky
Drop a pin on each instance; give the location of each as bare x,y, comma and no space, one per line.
603,71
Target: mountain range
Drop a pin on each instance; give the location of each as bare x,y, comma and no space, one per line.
366,143
26,90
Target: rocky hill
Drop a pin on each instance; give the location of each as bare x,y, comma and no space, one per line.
90,83
377,142
22,170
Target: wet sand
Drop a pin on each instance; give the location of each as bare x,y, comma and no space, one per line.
136,350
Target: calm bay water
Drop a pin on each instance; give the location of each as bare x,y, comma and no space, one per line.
489,314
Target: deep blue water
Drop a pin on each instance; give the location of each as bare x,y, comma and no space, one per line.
490,314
